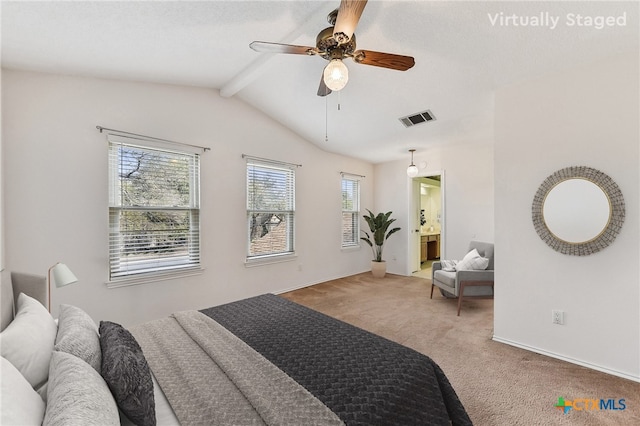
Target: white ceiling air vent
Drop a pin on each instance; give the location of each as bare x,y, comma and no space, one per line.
420,117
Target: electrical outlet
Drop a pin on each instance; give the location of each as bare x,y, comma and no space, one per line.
557,317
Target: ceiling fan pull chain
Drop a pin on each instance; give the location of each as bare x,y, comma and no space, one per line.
338,101
326,118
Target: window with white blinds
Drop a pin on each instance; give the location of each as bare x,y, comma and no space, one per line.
350,211
270,208
154,203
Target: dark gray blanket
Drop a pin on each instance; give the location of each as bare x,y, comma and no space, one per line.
363,378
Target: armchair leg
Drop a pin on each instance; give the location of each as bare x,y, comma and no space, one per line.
432,286
464,284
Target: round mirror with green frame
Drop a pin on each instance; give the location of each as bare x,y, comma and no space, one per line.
578,210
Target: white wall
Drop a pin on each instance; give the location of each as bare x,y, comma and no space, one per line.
1,191
55,174
3,275
588,116
467,170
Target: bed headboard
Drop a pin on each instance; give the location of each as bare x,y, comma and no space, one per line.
15,283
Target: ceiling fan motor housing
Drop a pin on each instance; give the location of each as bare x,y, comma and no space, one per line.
329,48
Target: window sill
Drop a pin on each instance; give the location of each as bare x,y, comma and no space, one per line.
269,260
354,247
152,277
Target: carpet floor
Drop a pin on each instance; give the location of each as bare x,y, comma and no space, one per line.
498,384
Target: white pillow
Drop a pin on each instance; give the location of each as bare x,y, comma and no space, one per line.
28,341
78,395
472,261
19,403
449,265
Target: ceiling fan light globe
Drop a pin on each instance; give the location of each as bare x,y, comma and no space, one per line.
336,75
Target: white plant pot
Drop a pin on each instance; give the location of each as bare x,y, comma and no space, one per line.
378,269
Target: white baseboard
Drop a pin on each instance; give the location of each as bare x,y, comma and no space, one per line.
567,359
309,284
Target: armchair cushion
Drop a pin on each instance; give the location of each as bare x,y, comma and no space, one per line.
446,279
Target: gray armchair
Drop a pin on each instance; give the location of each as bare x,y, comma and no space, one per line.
472,283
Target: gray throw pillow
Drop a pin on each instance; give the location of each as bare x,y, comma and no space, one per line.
78,335
127,373
77,394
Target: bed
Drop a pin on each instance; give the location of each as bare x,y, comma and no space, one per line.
262,360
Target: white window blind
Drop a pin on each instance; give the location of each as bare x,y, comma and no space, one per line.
350,210
270,208
154,202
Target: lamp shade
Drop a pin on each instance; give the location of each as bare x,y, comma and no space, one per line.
412,170
336,75
62,275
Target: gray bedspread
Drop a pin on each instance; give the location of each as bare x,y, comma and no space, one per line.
266,360
210,376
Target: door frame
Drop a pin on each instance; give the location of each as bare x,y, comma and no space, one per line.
414,213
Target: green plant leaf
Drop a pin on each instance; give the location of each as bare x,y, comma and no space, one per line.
378,225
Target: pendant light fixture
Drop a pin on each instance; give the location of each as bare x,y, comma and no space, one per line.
412,170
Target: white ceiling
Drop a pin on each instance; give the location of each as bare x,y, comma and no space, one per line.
461,58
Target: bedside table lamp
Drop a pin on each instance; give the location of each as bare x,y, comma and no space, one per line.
62,275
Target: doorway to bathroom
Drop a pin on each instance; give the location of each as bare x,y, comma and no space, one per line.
428,223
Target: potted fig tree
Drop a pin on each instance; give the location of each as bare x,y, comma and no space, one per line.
379,226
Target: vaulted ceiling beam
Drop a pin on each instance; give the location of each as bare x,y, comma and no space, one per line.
252,71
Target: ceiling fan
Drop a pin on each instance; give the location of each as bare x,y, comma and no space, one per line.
336,43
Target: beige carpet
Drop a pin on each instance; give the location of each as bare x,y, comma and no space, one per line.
498,384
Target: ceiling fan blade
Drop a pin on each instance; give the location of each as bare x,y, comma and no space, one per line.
348,16
267,47
384,60
323,90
